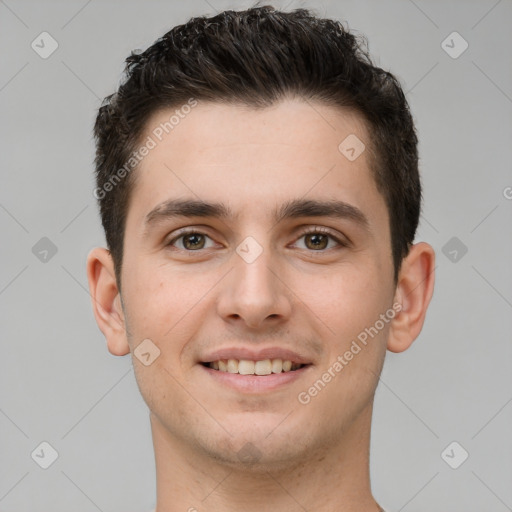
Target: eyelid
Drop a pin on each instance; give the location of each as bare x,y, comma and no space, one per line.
340,240
311,229
187,231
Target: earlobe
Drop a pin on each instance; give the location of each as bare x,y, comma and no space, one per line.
106,302
414,290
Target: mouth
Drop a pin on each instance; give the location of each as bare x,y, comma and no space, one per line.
261,367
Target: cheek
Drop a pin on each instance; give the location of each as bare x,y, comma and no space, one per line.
349,307
162,303
345,300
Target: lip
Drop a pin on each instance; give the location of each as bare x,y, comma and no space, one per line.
256,355
255,384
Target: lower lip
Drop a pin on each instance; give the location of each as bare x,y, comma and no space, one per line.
256,383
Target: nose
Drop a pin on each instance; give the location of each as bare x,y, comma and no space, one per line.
254,293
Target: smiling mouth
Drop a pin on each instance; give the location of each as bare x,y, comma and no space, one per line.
248,367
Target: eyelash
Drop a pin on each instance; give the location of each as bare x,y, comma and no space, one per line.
322,231
309,231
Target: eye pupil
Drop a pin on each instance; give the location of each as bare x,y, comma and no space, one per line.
318,241
193,241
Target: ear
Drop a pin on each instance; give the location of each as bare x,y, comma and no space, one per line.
414,290
106,300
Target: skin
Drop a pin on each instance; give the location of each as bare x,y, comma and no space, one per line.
312,456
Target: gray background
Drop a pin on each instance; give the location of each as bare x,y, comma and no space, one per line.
58,382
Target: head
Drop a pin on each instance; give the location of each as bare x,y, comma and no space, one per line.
235,128
256,58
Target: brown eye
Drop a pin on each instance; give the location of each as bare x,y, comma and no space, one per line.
316,241
192,241
319,240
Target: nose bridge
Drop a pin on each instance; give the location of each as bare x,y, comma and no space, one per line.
253,293
252,275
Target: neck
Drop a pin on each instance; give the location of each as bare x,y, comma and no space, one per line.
335,476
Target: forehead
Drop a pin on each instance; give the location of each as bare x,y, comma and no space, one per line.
297,126
255,160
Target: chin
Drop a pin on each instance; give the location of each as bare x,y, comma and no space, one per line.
260,447
250,459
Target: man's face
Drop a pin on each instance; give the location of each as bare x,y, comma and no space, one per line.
255,286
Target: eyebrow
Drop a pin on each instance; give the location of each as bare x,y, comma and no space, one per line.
315,208
292,209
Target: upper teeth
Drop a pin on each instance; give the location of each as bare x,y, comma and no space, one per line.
247,367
